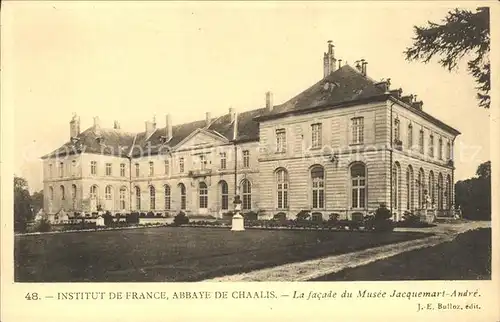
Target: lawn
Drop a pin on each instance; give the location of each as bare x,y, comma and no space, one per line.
467,257
177,254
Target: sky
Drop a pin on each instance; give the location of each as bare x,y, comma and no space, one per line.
130,61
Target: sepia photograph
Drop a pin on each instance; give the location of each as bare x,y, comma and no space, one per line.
259,142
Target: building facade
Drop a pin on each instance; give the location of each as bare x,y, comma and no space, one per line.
345,145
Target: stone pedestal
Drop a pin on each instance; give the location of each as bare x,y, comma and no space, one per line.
99,221
237,223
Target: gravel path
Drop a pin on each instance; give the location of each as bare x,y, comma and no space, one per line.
307,270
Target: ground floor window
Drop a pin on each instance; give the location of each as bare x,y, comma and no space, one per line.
203,195
246,194
358,185
224,194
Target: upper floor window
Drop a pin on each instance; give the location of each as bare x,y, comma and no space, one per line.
73,168
122,169
223,160
280,140
203,161
410,135
108,169
181,165
316,131
137,170
448,150
93,168
151,168
167,167
397,135
50,171
61,169
440,148
431,145
357,130
246,159
421,141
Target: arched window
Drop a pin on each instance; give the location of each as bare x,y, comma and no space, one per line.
63,195
203,195
73,195
282,188
73,168
358,185
224,195
448,195
93,192
108,193
123,197
318,187
167,196
246,189
409,188
137,198
152,198
51,193
431,187
182,189
396,186
440,148
440,191
410,135
421,188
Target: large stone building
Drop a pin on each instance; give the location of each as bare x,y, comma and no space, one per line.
344,145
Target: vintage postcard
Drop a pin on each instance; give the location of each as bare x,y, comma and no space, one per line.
249,160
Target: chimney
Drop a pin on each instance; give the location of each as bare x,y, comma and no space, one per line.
235,126
358,66
329,61
408,99
232,113
150,128
396,93
418,105
363,67
74,126
116,125
208,118
168,135
269,101
340,63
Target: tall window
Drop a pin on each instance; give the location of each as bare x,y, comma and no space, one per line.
421,141
73,168
181,165
108,169
358,185
316,131
122,170
73,195
63,195
50,171
151,168
224,194
203,194
318,187
203,161
93,193
431,145
448,195
51,193
280,140
137,169
409,188
431,187
396,183
282,188
246,189
397,135
223,160
246,159
357,130
182,189
93,168
440,191
123,196
421,188
137,198
108,193
440,148
61,169
152,198
448,150
167,167
167,197
410,135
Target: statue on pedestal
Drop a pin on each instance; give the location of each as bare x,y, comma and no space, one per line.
237,221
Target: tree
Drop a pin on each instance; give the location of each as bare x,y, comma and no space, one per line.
37,201
461,33
474,195
22,204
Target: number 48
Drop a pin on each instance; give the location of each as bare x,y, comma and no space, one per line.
31,296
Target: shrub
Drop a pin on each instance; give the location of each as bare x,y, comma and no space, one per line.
227,215
280,216
43,226
251,215
150,214
317,217
108,218
181,219
381,220
132,218
159,214
142,215
303,215
333,217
